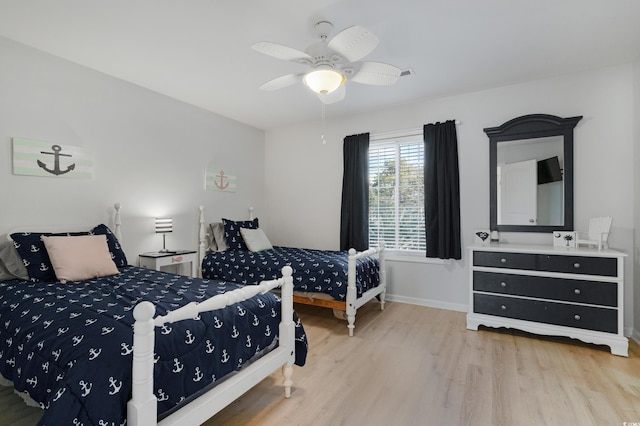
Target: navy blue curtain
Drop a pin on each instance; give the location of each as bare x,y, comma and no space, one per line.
442,191
354,214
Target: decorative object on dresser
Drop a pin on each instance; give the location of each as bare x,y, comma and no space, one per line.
598,235
564,238
163,226
482,236
545,290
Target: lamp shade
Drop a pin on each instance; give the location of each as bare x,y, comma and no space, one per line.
163,225
324,80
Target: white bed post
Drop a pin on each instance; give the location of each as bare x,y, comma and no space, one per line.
142,407
383,273
117,222
352,292
251,213
201,241
287,327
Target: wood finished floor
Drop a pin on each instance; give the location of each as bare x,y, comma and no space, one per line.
412,365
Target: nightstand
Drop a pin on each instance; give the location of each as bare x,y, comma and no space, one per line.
156,260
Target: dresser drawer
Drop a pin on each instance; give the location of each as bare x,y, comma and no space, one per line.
504,260
591,292
584,317
602,266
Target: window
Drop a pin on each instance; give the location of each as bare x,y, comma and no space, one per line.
396,193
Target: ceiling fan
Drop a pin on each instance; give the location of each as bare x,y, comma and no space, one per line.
332,62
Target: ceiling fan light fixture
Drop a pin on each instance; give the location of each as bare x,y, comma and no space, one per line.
324,80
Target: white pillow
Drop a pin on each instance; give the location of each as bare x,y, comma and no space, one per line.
80,257
217,229
255,239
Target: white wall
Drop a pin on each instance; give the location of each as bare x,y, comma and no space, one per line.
304,177
150,152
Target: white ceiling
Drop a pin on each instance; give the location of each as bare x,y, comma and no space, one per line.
198,51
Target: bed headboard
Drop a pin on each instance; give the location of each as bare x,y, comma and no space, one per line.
117,222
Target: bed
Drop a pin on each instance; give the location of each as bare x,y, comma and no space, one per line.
140,347
340,280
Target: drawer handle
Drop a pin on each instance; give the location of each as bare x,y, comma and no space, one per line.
503,284
576,265
503,307
576,291
576,317
503,260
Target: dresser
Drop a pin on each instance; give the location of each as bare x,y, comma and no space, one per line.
556,291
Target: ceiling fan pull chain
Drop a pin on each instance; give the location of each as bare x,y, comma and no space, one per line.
322,138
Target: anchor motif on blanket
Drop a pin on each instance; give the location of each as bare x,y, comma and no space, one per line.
107,330
234,333
77,339
33,381
225,356
241,311
86,387
261,303
47,323
43,267
11,362
216,322
256,321
126,349
59,394
34,249
162,396
56,161
56,354
177,366
166,329
90,321
94,353
73,315
267,331
116,385
62,330
248,344
209,347
190,338
198,375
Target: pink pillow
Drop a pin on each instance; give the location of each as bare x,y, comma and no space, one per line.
80,257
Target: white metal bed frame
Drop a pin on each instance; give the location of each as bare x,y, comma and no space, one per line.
142,408
351,304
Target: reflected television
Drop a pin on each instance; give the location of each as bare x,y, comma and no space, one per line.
549,170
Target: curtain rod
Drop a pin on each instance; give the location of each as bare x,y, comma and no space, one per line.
401,133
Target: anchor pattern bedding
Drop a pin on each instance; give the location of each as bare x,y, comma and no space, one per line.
320,271
69,346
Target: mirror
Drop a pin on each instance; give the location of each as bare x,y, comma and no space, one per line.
531,174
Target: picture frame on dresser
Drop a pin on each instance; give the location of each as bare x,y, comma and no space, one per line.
545,290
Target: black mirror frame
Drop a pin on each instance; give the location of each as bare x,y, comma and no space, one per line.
529,127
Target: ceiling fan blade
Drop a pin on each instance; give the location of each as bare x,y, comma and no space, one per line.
333,97
282,81
282,52
353,43
375,73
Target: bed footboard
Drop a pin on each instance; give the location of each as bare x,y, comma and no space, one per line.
142,408
353,302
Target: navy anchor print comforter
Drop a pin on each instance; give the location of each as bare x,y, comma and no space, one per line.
69,346
320,271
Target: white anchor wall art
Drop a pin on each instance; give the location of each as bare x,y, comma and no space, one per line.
38,158
217,179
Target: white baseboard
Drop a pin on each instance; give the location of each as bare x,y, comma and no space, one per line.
635,335
427,302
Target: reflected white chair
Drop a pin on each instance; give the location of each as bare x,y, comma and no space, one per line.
598,235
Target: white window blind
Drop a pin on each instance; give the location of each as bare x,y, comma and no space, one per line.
396,193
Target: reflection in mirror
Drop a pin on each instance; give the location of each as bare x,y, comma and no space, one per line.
531,174
530,186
